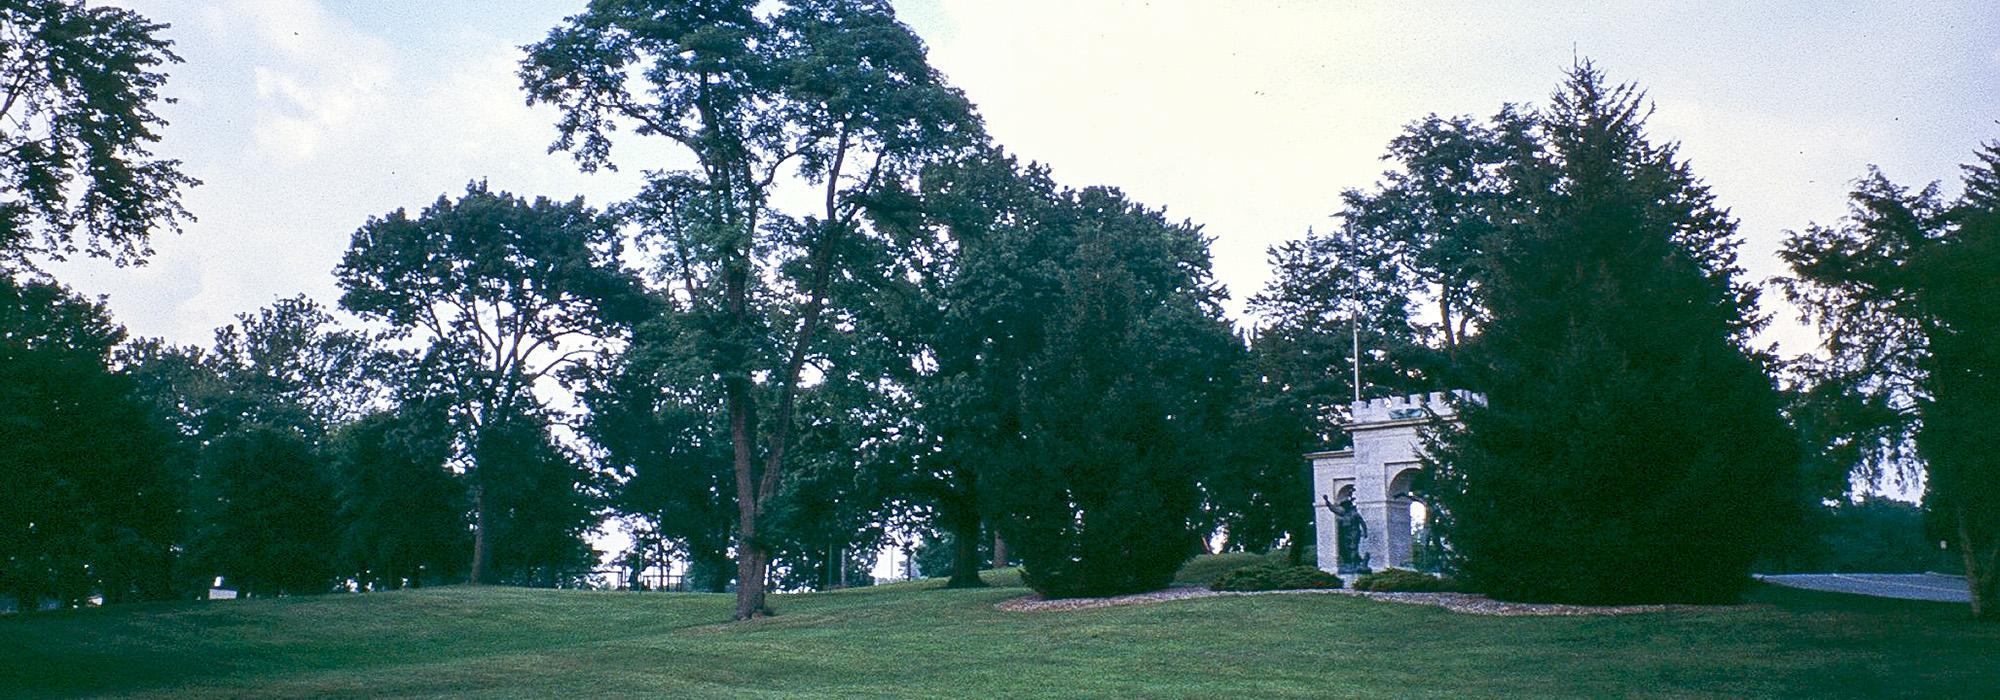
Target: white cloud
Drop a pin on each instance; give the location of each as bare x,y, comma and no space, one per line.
314,74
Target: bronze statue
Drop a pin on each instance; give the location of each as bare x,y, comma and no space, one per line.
1352,530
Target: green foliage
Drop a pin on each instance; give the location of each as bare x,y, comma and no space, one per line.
1119,407
401,510
78,114
1404,581
1264,577
1420,237
265,509
937,554
836,91
1873,535
665,446
1632,447
1325,288
1260,491
539,502
291,364
841,493
490,268
95,486
1438,212
1204,569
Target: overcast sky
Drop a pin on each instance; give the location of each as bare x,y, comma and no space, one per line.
304,118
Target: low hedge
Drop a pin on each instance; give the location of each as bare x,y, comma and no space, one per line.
1405,581
1274,578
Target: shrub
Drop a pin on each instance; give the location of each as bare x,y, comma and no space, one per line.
1404,580
1274,578
1203,570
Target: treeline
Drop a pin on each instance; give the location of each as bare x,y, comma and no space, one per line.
946,340
949,342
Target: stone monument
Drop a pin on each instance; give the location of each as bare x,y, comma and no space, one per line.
1373,479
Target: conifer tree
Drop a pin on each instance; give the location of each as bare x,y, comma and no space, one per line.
1631,448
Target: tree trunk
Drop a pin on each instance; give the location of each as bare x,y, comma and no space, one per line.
749,553
1982,566
965,534
999,550
482,548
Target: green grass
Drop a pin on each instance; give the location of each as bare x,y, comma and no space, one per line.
911,640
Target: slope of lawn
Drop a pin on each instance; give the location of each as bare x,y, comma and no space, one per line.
911,640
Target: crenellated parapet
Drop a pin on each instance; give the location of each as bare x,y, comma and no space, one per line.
1411,407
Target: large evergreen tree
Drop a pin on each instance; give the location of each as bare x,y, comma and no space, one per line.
1631,447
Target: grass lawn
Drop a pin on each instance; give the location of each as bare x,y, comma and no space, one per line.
911,640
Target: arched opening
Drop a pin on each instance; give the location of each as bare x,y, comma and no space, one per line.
1414,543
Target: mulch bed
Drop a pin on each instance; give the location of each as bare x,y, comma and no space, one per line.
1467,603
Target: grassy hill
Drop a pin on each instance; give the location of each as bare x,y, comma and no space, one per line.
910,640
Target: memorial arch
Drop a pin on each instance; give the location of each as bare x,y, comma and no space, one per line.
1368,484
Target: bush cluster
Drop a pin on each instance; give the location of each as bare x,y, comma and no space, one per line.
1274,578
1405,581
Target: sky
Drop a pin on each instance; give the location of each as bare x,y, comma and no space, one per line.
305,118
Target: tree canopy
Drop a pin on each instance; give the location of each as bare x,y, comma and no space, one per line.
505,293
76,123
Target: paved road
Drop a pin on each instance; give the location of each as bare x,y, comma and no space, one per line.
1950,589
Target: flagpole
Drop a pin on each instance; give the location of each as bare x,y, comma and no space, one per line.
1354,310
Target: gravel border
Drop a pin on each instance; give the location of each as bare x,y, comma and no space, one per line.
1466,603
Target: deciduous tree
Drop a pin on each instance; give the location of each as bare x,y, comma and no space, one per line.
401,509
1902,291
505,293
94,495
265,512
76,123
836,90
